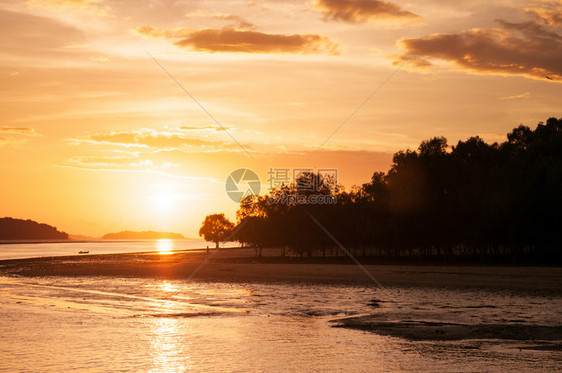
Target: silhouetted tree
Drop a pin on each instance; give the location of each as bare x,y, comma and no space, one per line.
489,201
216,228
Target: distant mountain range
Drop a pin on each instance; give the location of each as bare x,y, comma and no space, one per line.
145,235
19,229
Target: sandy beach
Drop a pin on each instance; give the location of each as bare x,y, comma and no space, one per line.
476,309
240,265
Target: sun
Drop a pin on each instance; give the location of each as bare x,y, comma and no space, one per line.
162,201
163,196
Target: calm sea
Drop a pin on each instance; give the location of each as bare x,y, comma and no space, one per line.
31,250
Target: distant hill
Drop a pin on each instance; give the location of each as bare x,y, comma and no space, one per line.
146,235
18,229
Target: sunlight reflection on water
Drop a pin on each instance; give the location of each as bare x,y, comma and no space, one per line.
165,246
170,352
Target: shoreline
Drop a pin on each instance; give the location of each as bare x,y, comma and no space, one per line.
240,265
94,240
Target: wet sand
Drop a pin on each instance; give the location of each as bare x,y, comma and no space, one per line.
239,265
411,327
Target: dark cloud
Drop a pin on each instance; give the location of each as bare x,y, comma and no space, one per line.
243,41
359,11
529,49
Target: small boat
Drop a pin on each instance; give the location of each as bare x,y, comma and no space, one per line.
83,252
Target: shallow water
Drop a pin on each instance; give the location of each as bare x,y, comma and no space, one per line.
108,324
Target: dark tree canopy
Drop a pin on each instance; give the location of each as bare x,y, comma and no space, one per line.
471,200
216,228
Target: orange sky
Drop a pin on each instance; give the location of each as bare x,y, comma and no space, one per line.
95,137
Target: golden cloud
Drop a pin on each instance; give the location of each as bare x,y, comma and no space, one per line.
515,97
239,21
118,163
201,129
19,131
231,40
148,138
360,11
525,49
549,12
10,141
359,164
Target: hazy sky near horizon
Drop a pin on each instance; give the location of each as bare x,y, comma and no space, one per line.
95,137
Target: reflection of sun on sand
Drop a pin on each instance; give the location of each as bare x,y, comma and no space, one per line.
167,287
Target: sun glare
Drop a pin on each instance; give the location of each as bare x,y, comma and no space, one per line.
163,196
163,201
164,246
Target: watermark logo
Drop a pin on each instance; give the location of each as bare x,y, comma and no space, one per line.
310,186
242,183
305,179
287,186
302,199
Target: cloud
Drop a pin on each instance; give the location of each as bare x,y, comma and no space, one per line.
526,49
199,129
414,62
19,131
358,164
360,11
99,59
170,162
231,40
10,141
148,138
118,163
90,6
514,97
550,13
238,22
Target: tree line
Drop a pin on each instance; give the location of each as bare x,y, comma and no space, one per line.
474,201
